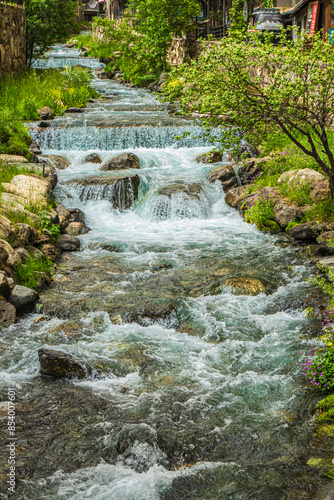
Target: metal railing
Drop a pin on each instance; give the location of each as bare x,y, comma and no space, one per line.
216,31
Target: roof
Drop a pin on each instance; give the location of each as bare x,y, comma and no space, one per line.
296,8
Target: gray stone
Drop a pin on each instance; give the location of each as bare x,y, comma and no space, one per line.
225,175
23,299
235,196
7,314
69,243
285,213
5,290
75,228
123,161
308,231
23,253
34,148
23,234
61,210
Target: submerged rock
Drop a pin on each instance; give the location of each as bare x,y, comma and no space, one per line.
211,157
23,299
246,286
93,158
61,365
123,161
191,190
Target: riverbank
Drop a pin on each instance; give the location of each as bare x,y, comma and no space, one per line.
162,350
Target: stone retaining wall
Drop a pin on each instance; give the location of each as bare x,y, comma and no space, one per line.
12,39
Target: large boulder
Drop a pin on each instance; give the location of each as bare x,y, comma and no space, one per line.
45,113
13,258
211,157
24,196
7,230
62,211
304,175
7,314
12,159
59,364
234,197
69,243
93,158
58,161
123,161
4,255
225,175
308,231
33,183
120,189
245,286
319,185
23,299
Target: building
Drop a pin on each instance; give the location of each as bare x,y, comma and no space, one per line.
311,16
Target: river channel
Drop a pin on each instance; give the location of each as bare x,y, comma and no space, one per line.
202,396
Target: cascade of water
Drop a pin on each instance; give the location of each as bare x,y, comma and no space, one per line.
79,138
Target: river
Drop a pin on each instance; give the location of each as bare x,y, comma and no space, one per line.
203,396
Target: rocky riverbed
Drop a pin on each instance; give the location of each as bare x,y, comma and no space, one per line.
164,360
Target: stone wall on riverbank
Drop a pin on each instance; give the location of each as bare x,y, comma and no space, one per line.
12,39
183,50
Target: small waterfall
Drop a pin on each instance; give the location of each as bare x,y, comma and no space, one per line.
122,193
111,138
63,62
187,202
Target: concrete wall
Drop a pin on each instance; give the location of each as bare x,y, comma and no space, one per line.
12,39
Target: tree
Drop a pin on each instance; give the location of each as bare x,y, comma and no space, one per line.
289,85
48,22
158,21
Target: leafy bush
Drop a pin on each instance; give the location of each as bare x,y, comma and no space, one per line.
261,213
30,273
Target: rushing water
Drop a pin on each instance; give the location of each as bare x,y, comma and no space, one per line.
202,397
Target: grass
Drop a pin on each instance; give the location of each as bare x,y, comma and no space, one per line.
30,273
21,96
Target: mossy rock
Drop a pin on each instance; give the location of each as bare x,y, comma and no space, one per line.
245,286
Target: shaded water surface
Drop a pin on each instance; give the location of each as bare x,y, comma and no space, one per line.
202,397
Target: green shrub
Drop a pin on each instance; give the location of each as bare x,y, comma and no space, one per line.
29,274
261,213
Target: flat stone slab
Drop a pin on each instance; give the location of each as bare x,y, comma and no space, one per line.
327,261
